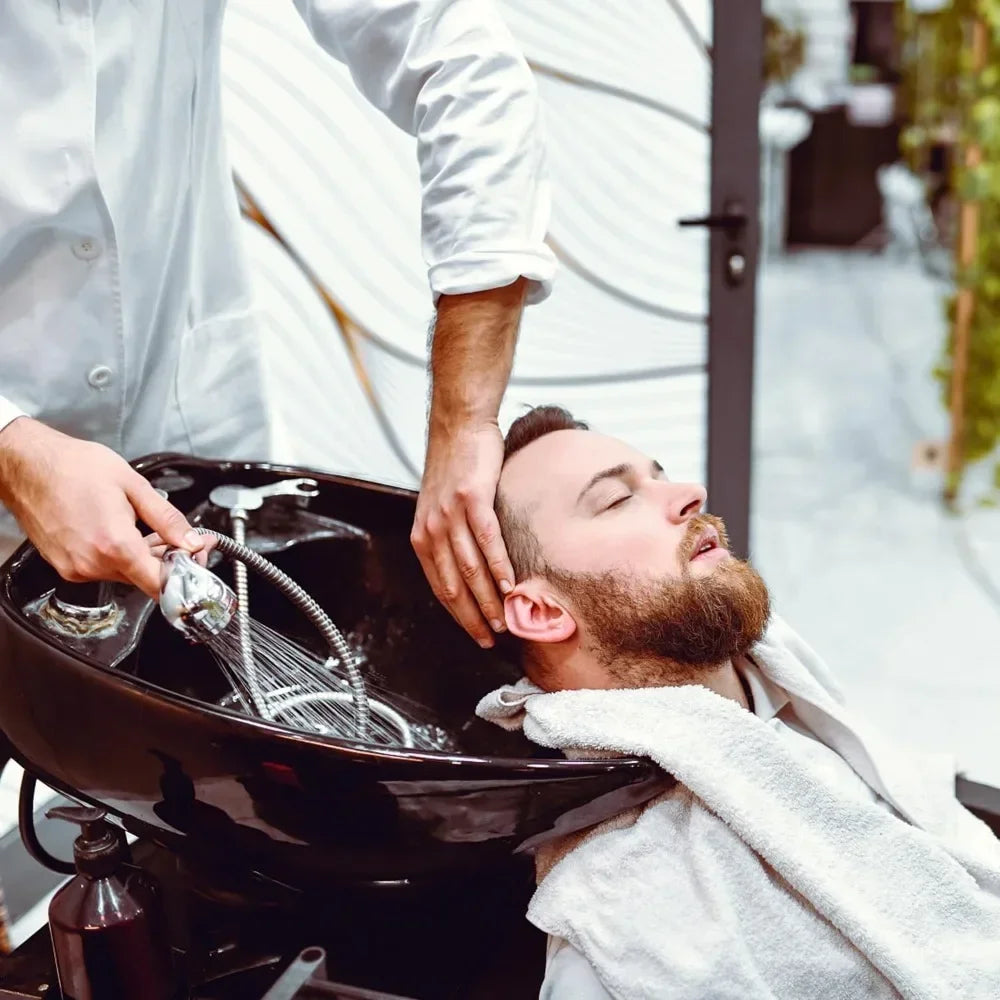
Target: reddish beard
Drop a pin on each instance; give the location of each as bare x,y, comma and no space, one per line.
651,632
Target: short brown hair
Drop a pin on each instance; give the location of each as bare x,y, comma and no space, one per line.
522,543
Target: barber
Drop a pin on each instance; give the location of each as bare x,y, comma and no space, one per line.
126,317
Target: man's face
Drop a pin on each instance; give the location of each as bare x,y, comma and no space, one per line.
646,576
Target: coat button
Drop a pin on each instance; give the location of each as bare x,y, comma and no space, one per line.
100,376
87,249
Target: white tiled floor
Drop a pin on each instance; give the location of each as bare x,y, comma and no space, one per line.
901,598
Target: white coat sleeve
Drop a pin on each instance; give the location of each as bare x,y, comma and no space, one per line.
449,72
8,412
569,976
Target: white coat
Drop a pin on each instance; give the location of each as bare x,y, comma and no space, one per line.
126,313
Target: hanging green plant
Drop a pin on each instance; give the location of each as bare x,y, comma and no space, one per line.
952,94
784,50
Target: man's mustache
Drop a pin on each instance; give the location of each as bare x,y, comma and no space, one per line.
696,528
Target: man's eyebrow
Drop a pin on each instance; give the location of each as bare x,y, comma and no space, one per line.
616,472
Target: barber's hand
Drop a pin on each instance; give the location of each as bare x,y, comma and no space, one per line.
159,547
455,532
78,503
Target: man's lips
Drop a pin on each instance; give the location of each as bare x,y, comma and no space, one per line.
707,546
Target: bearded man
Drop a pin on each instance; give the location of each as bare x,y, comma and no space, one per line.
799,854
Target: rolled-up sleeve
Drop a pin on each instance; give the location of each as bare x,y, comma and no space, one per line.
9,412
449,72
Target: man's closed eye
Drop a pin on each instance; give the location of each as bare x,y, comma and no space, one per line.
618,502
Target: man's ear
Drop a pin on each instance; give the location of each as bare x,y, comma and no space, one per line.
535,614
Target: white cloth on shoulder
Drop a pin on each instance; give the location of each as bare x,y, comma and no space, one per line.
757,876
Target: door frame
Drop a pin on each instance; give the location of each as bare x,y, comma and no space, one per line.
737,61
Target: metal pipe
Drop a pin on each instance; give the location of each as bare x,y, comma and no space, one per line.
238,516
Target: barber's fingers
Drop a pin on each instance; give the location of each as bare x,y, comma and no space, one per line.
427,564
423,546
475,574
159,547
456,596
485,530
135,563
432,545
162,516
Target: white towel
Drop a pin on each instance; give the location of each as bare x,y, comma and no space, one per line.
758,877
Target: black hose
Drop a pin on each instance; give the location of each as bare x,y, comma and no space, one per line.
26,825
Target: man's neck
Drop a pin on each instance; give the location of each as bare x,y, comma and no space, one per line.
588,672
724,680
727,681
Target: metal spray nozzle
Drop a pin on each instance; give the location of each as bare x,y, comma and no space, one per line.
193,599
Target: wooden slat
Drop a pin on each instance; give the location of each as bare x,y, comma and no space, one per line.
968,238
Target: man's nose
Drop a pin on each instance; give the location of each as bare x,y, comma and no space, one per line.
684,501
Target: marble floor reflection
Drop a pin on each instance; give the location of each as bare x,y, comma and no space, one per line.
900,597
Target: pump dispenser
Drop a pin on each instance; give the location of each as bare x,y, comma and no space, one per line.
107,924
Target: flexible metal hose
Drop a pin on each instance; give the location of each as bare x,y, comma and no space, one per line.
238,518
331,634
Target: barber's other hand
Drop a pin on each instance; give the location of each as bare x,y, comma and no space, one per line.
455,532
78,503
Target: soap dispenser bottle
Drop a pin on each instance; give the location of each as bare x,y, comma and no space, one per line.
107,924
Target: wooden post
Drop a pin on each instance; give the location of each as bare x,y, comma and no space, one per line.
968,237
5,944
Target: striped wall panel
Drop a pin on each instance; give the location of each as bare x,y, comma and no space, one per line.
622,340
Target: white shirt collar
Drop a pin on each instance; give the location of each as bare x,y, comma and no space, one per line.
768,698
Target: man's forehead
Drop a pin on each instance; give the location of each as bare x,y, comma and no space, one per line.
556,466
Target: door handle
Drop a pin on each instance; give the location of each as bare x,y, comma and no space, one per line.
733,221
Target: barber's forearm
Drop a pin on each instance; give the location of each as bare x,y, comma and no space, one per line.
472,355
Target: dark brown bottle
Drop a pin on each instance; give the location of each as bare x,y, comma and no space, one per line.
107,924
